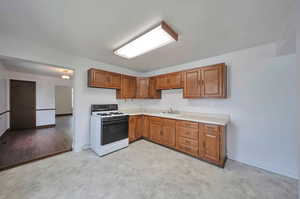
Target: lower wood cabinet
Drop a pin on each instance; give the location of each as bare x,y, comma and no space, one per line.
135,127
187,137
204,141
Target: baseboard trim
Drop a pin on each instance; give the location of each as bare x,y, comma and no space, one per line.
4,132
65,114
45,126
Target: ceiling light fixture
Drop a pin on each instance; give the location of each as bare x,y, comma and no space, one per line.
157,37
65,76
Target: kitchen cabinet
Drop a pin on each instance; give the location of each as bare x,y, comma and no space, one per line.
212,143
135,127
169,81
214,81
192,84
153,92
146,127
206,82
162,131
168,133
203,82
155,129
131,128
187,137
142,87
103,79
128,87
204,141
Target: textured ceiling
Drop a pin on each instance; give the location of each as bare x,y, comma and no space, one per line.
34,68
93,28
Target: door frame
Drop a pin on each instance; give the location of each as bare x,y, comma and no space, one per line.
10,100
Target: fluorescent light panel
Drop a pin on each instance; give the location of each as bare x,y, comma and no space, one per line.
153,39
65,77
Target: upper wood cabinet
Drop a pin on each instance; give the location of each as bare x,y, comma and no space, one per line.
142,87
192,84
103,79
214,81
203,82
169,81
128,87
153,92
206,82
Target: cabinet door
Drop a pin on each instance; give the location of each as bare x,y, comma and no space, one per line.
153,92
161,82
174,80
114,80
211,145
168,133
128,87
214,81
146,128
98,78
142,88
132,128
155,129
192,86
139,126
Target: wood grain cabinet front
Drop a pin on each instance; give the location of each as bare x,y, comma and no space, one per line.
205,141
103,79
128,87
212,143
142,90
135,127
206,82
187,137
169,81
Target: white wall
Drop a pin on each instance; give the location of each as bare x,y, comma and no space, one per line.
298,64
262,104
45,94
63,100
262,132
4,122
83,96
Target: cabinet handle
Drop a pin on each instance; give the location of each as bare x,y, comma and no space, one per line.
203,144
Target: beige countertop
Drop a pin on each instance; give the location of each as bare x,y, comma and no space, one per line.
218,119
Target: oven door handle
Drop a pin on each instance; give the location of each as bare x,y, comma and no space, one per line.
114,122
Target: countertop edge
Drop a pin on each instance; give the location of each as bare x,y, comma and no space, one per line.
185,118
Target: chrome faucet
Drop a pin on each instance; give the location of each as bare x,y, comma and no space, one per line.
171,110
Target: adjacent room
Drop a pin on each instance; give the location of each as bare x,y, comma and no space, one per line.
36,111
149,99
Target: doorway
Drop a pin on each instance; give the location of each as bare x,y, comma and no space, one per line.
22,104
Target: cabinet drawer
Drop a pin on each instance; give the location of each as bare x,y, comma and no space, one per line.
155,120
211,128
168,122
187,145
187,132
187,124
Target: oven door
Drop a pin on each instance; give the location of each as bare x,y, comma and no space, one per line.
114,129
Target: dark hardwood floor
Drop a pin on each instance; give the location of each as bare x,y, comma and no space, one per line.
22,146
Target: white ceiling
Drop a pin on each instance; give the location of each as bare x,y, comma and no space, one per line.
93,28
34,68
